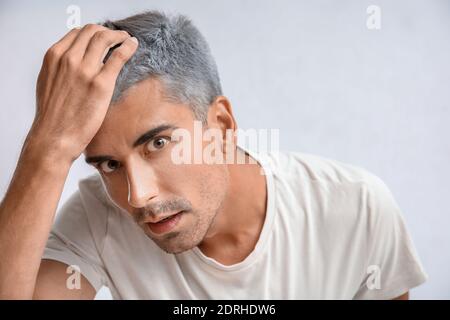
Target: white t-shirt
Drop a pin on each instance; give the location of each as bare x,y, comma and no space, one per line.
331,231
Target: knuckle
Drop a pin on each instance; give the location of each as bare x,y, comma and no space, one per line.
74,31
69,61
85,74
98,84
53,53
90,27
93,28
121,55
100,36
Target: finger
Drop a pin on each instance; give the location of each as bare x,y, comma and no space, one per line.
55,52
65,42
51,60
118,58
79,45
99,45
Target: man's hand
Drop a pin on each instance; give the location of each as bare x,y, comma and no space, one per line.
74,88
74,91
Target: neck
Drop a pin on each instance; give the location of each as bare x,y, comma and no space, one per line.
238,224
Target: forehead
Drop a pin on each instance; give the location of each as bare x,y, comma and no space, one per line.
143,107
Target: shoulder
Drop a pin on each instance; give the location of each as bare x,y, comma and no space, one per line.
331,190
314,169
320,169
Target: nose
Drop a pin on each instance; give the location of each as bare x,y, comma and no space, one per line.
142,183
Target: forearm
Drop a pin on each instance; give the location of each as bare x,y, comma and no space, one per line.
26,215
73,94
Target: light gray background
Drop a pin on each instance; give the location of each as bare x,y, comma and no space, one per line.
375,98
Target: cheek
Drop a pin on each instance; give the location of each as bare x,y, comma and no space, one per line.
203,185
181,180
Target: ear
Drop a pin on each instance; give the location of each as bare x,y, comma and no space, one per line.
220,116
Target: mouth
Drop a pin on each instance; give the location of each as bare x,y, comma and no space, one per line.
166,224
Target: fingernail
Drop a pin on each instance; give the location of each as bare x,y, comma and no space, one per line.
134,39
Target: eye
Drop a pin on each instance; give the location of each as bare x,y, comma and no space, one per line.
157,143
109,166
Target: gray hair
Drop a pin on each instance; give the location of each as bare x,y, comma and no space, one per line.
174,51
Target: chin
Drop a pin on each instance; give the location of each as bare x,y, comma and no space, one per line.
175,248
175,243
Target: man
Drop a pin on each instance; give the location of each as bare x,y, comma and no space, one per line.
149,226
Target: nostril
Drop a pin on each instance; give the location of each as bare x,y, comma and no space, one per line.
141,182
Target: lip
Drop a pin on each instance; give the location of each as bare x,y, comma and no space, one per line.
162,218
160,226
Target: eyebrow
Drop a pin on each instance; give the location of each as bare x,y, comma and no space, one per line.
150,134
147,136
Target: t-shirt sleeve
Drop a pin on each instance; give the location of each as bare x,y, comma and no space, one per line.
72,241
392,265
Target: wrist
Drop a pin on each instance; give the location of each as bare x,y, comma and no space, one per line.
46,154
